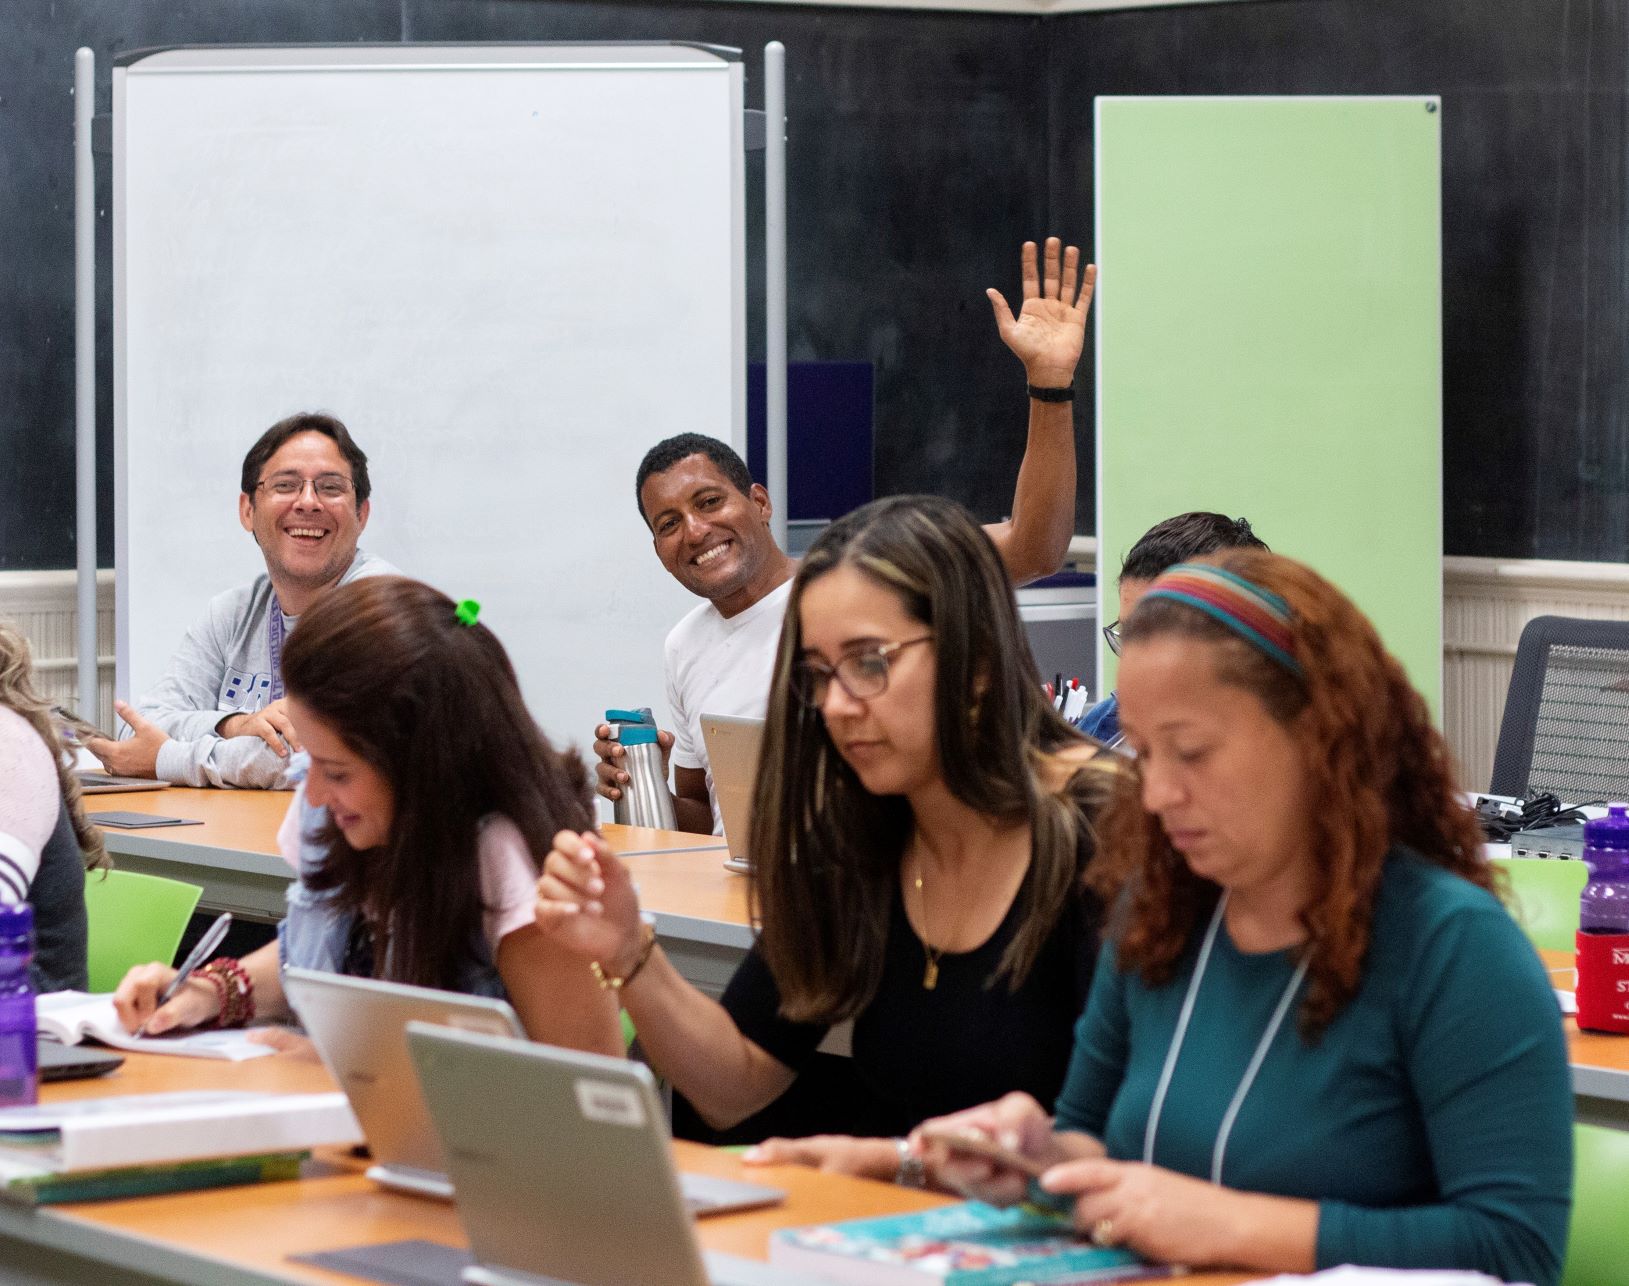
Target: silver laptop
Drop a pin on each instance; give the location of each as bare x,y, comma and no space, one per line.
357,1025
564,1169
733,744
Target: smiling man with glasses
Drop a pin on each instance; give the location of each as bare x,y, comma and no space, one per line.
218,717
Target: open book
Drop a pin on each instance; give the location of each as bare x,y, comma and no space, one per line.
73,1016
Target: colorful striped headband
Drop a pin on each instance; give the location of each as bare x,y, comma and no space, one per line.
1258,616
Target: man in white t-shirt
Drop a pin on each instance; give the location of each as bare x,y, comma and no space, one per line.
709,523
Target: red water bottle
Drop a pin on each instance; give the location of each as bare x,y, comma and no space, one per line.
1603,925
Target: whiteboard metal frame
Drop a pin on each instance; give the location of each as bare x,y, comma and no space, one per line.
205,60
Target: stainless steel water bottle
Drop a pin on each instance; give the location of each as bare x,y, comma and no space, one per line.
646,800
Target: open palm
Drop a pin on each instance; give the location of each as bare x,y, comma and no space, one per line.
1049,332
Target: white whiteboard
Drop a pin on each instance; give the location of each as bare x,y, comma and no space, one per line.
509,270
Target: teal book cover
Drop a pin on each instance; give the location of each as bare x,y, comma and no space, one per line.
971,1244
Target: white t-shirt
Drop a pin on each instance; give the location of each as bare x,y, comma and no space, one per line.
508,874
719,666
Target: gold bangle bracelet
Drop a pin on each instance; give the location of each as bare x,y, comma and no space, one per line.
609,982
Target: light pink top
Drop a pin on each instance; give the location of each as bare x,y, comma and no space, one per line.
508,874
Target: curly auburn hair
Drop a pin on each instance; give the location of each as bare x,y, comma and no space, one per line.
1380,772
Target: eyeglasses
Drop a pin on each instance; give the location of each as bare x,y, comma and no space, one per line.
863,674
1111,636
328,487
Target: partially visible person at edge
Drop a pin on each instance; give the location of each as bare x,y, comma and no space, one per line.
219,716
431,791
920,833
45,842
1315,1036
709,523
1184,539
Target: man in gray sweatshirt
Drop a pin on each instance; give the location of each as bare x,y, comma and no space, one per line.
218,717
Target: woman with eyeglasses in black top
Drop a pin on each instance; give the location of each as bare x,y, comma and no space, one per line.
921,826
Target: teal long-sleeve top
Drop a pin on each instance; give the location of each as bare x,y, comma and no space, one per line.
1432,1122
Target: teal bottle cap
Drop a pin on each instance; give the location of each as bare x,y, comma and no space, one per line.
637,734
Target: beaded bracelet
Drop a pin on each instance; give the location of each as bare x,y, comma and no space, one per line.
235,988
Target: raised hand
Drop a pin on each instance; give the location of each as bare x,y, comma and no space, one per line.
587,904
1049,332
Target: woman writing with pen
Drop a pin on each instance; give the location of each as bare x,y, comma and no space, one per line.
438,789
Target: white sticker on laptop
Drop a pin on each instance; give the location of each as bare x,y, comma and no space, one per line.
485,1024
609,1103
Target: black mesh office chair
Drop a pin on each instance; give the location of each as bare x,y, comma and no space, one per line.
1566,722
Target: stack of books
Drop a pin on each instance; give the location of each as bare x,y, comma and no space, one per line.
127,1145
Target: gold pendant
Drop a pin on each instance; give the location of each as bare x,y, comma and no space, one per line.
930,975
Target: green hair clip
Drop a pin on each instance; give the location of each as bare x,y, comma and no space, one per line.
467,612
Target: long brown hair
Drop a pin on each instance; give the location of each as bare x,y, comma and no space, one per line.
826,852
1381,774
17,693
434,707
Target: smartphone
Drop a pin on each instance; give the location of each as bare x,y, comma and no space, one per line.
972,1143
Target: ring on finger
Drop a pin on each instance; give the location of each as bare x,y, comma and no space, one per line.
1102,1233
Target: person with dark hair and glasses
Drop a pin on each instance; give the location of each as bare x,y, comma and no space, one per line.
1183,539
922,826
709,523
218,717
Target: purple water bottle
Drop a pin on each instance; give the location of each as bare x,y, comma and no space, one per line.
19,1055
1603,925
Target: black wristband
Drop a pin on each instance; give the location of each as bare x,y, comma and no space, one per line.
1064,394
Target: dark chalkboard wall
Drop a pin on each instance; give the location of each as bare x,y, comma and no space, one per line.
924,147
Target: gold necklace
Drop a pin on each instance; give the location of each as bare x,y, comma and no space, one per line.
930,972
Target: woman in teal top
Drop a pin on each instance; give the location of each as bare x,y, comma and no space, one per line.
1315,1037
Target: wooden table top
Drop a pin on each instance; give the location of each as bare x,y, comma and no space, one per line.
333,1206
675,875
688,884
246,820
1585,1049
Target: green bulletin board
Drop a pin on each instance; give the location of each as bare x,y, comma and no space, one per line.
1269,340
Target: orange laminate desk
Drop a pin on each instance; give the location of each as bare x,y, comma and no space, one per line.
1600,1063
700,908
245,1235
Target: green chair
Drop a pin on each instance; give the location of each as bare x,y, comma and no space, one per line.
1598,1241
133,919
1542,894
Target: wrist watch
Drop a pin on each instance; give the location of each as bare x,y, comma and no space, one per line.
912,1172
